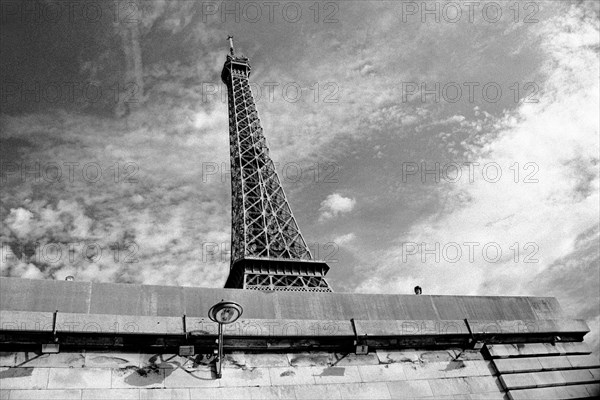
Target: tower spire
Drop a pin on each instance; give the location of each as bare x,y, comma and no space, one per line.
230,38
268,252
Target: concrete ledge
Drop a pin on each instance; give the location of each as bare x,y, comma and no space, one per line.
530,326
573,348
518,381
593,389
560,392
122,324
35,321
165,325
511,365
581,375
149,318
173,301
554,363
584,361
411,327
536,349
550,363
160,325
272,327
549,378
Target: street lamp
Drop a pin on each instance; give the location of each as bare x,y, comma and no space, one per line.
224,313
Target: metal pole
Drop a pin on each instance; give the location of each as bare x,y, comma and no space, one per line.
220,355
54,317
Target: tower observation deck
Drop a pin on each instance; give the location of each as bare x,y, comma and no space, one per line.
268,252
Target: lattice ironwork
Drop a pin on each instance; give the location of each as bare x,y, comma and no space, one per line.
263,226
286,283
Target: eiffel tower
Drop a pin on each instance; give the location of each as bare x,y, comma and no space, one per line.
268,251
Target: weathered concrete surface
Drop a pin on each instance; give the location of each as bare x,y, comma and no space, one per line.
84,307
546,370
106,375
560,392
295,366
385,374
539,349
172,301
37,321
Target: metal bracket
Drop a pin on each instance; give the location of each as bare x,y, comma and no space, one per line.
186,350
185,332
361,347
54,346
477,345
54,336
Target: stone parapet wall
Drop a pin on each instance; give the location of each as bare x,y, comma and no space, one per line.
172,301
452,373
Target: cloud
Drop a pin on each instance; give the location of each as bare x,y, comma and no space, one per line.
144,220
344,239
545,214
334,205
13,265
19,221
67,219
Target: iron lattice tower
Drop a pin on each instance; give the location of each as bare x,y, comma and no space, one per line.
268,251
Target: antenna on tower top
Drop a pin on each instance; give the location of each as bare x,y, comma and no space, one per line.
230,38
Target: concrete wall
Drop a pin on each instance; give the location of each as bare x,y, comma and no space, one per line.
302,363
310,375
147,300
530,371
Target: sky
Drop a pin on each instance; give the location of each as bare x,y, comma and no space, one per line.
452,147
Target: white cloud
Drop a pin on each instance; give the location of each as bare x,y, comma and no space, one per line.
19,220
66,219
560,136
11,264
344,239
334,205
